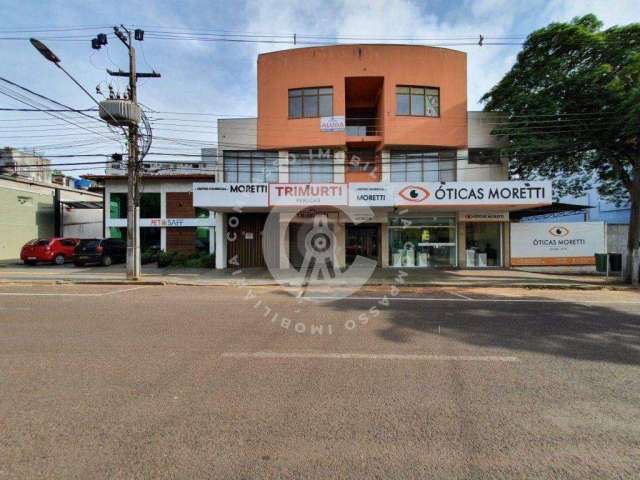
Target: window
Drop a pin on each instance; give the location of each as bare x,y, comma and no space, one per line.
423,241
311,102
149,239
418,101
484,156
413,166
150,205
250,167
118,205
313,166
118,232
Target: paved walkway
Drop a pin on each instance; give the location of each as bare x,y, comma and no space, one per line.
183,276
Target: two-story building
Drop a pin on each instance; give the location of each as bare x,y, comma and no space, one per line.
377,141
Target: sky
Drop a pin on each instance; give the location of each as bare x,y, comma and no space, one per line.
219,78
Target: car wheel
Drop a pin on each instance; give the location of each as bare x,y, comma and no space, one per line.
59,260
79,264
106,261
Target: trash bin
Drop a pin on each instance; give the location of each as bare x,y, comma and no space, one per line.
615,262
601,262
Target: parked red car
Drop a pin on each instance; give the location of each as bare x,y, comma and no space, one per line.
51,250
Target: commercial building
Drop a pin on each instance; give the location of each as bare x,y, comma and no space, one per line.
32,209
375,142
168,219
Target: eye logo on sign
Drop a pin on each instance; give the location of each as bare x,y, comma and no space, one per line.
414,194
559,231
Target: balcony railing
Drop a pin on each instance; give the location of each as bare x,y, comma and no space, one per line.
361,131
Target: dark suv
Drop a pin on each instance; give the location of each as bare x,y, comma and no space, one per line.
103,251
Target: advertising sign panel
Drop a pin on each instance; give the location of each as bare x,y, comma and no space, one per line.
536,244
472,193
300,194
230,195
483,216
332,124
370,195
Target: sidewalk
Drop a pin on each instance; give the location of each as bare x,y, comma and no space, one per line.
17,273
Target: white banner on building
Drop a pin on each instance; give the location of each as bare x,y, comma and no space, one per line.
560,243
230,195
302,194
370,195
332,124
472,193
166,222
483,216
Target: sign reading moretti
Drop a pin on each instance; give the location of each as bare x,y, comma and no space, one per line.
370,195
230,195
472,193
556,243
292,194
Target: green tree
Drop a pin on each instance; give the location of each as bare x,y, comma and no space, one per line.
571,107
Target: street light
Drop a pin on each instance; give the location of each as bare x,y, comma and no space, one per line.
132,254
44,50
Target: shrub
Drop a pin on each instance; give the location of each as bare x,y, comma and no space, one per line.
194,260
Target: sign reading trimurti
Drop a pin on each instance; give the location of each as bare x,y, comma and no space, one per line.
297,194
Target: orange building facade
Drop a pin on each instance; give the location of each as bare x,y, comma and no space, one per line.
373,143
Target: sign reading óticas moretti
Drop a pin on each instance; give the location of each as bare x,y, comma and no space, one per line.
472,193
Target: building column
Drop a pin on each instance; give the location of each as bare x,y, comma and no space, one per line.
462,163
283,241
339,253
283,166
506,245
462,245
220,242
163,214
385,170
384,244
339,158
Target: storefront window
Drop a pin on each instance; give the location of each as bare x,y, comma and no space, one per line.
422,241
483,244
118,232
118,205
149,239
150,205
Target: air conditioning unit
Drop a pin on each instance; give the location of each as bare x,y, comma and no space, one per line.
119,113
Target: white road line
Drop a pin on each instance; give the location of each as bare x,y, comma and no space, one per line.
103,294
370,356
460,295
486,300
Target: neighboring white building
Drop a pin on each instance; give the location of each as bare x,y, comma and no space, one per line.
14,162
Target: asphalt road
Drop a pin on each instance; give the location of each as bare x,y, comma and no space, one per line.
212,382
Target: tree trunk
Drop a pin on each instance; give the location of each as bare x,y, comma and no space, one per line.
631,265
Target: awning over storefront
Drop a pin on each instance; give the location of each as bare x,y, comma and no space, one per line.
83,205
507,194
553,210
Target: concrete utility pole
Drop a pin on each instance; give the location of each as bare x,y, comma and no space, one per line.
133,164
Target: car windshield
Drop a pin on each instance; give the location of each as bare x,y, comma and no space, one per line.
89,243
41,243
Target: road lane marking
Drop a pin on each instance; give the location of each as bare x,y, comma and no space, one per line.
471,299
459,295
102,294
370,356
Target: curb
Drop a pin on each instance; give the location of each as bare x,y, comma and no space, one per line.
527,285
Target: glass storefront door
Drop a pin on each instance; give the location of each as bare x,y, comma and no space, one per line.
423,241
484,242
